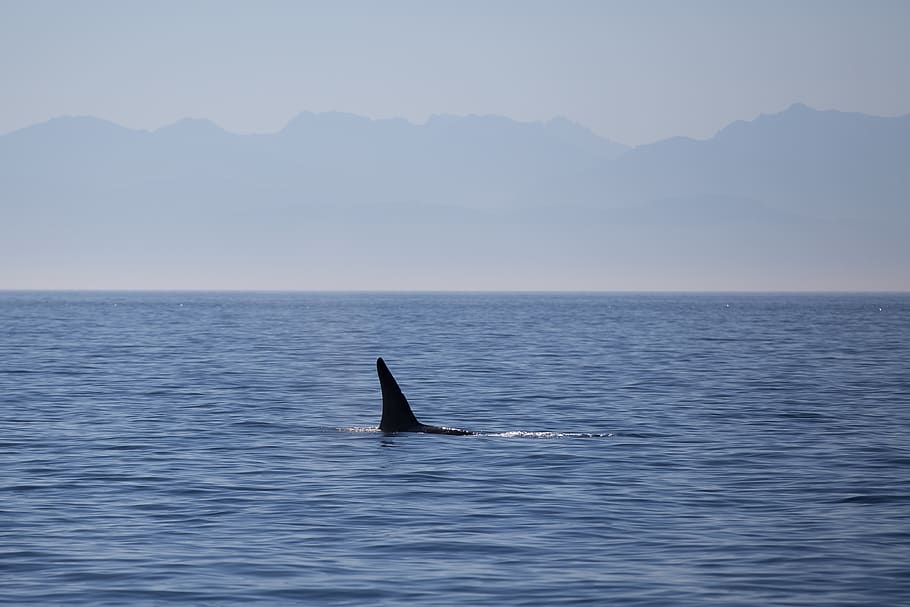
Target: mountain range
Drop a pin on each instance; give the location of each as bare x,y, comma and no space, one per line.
798,200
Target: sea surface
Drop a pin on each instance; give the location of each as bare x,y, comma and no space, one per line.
634,449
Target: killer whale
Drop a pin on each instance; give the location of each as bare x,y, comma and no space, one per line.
396,412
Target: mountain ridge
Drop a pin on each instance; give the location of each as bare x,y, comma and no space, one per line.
793,199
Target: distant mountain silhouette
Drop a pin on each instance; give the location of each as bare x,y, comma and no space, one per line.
802,199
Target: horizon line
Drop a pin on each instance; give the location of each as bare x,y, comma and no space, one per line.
474,291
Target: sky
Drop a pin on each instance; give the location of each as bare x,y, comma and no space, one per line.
634,72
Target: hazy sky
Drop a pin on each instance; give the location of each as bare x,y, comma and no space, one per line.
631,71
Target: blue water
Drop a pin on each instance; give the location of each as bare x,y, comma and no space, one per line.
214,449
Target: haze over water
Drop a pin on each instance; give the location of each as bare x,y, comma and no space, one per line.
190,448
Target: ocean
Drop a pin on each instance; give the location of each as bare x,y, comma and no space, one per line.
633,449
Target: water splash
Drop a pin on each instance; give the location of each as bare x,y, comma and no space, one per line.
509,434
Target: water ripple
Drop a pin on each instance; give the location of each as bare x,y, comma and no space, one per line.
225,452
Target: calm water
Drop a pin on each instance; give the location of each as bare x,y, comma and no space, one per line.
210,449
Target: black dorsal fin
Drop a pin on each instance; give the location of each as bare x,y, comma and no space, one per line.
396,412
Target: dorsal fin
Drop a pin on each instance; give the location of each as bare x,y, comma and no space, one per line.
396,412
